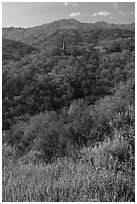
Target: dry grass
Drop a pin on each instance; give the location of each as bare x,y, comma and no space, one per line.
96,175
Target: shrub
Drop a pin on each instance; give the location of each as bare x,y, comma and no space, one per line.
67,181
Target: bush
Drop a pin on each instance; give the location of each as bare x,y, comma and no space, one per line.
67,181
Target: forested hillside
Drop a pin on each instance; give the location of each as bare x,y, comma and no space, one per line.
68,112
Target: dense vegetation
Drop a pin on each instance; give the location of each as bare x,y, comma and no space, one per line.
68,112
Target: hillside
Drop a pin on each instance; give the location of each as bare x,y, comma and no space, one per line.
68,112
13,50
35,36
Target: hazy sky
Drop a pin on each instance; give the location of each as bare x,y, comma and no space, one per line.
32,14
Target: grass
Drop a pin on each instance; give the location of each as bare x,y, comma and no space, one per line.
96,175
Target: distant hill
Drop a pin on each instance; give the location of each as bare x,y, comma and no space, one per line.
13,50
35,36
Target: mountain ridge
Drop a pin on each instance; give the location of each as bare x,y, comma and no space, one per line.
35,36
72,21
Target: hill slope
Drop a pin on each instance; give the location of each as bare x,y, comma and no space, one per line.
68,97
13,50
34,35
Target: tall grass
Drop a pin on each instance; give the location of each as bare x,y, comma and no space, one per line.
102,173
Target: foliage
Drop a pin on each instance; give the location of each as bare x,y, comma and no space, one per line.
99,174
69,113
13,50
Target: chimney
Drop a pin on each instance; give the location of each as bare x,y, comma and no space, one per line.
63,45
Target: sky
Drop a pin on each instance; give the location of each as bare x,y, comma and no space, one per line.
29,14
